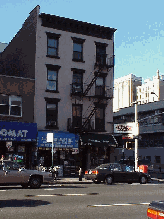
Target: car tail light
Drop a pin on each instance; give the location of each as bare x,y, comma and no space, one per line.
95,172
153,214
86,172
160,214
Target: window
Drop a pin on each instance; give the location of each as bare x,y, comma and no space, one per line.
10,105
157,159
148,158
101,53
100,118
100,86
52,78
77,82
52,112
52,45
77,116
78,49
15,105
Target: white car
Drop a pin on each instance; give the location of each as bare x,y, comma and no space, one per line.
12,173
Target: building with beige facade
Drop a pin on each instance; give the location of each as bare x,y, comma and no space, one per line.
72,64
125,91
151,90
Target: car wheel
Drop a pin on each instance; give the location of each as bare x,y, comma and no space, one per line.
143,180
24,186
35,183
108,180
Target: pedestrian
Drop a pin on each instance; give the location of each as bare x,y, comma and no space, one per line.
80,174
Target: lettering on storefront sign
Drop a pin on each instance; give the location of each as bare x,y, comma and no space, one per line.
124,128
13,133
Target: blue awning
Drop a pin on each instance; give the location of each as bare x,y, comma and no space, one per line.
61,139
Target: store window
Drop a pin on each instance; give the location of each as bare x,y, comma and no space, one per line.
10,105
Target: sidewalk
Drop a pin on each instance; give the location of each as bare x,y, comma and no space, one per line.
73,180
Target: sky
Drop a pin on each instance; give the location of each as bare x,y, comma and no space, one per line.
139,38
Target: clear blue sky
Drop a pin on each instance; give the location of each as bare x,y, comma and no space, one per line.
139,39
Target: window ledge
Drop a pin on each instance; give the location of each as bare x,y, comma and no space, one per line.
11,116
78,60
50,127
56,57
52,91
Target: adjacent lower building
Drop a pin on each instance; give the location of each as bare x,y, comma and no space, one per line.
72,66
151,133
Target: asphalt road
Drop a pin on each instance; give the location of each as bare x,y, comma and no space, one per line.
121,201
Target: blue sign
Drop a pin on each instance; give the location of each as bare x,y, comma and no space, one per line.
18,131
61,140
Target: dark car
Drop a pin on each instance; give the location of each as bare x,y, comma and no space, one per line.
155,210
115,172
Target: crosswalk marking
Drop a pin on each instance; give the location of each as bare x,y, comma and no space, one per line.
62,195
119,204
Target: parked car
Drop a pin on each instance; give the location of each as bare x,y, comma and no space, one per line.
155,210
13,173
115,172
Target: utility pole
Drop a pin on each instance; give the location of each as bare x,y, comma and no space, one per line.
136,139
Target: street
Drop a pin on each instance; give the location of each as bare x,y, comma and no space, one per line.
79,201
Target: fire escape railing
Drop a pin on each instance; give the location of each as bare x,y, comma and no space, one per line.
102,61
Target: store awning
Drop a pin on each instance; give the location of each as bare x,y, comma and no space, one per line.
61,139
103,139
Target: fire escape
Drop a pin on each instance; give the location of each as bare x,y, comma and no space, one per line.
103,64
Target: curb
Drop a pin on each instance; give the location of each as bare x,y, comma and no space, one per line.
71,181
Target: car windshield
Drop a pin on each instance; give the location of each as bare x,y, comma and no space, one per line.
103,166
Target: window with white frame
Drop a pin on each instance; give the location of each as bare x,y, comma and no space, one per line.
10,105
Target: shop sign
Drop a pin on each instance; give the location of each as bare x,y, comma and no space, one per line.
128,136
61,140
18,131
125,128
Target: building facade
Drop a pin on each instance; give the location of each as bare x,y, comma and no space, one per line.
151,130
125,91
151,90
72,64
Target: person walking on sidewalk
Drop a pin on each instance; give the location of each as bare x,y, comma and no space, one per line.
80,174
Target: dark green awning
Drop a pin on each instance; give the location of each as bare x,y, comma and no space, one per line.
92,138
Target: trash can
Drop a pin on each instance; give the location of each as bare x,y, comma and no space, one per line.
143,168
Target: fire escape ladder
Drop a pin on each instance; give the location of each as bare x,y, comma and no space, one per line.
94,108
91,83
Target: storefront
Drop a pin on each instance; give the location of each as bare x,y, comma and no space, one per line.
96,149
17,141
65,153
